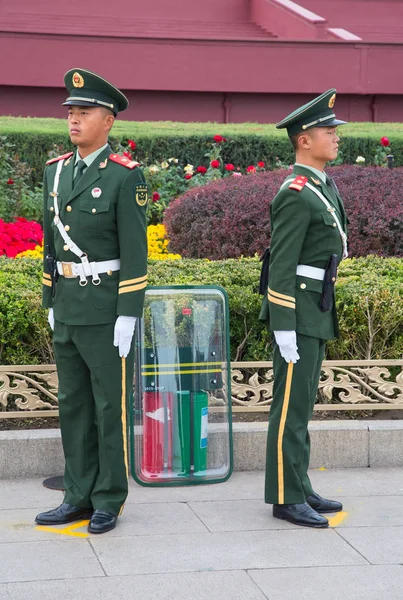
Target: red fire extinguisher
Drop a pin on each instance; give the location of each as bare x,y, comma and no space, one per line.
157,434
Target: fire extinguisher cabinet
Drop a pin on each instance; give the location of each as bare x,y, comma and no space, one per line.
181,429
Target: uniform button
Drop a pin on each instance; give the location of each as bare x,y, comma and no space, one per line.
67,227
69,209
51,209
334,224
65,247
302,286
109,272
94,210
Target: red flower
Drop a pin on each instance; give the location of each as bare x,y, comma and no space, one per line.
156,197
219,138
188,176
215,164
385,141
128,154
201,169
229,167
251,169
10,181
260,165
131,144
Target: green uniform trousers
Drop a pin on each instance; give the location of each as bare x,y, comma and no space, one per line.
95,385
288,445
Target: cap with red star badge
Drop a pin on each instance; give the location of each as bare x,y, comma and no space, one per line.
316,113
86,88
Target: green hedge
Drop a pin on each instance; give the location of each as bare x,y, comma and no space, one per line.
247,143
370,302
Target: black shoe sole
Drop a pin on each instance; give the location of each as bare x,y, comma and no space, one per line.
316,526
108,528
82,517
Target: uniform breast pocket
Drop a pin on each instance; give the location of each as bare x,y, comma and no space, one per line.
327,232
94,218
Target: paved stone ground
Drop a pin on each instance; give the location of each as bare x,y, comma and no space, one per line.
211,542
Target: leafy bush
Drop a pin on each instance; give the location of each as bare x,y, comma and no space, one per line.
19,197
369,298
246,143
230,218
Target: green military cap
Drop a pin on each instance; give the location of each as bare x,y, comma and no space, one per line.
89,89
316,113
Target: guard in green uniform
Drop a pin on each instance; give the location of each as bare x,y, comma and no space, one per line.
308,229
94,280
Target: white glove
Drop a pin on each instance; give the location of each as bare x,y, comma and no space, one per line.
51,319
123,334
287,343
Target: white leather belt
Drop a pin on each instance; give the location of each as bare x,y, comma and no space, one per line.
71,270
311,272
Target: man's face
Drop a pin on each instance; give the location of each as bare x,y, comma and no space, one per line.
324,143
88,125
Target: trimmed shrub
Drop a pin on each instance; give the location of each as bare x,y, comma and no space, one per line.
246,144
230,218
369,298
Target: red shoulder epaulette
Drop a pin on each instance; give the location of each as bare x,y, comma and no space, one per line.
124,161
298,183
62,157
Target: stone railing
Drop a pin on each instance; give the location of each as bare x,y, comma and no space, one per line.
31,390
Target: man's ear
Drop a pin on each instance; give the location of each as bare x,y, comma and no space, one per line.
109,121
304,141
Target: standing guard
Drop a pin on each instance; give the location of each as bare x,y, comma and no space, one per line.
94,280
308,240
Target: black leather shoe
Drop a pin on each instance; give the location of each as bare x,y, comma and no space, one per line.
321,505
299,514
102,521
65,513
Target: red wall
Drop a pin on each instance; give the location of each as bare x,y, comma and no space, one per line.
189,79
202,106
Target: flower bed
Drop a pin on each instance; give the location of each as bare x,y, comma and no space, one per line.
24,239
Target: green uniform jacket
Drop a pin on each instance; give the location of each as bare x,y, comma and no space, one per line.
107,227
303,232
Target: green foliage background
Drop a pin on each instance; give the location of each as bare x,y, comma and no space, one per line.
369,299
247,143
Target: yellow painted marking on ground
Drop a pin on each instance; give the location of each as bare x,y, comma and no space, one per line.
337,519
322,469
66,530
77,525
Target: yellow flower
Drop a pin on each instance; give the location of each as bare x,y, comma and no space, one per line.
188,169
174,160
153,169
36,253
164,164
158,243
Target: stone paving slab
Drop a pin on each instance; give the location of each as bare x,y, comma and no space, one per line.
208,542
42,560
380,545
223,551
367,582
29,493
230,585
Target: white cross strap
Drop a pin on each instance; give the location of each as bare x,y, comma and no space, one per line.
331,209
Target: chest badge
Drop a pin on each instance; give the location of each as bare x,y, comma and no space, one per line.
96,192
